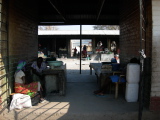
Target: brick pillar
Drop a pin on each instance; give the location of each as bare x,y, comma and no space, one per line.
155,83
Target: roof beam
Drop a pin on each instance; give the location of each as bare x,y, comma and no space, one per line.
101,6
57,10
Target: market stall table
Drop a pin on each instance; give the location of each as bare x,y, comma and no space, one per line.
102,74
55,79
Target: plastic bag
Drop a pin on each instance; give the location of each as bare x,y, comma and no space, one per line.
26,101
19,101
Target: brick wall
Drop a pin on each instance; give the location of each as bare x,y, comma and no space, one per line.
155,87
130,39
129,30
22,34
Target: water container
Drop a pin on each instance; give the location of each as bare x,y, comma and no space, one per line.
131,92
133,73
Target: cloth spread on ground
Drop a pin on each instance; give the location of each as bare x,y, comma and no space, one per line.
33,87
20,87
20,101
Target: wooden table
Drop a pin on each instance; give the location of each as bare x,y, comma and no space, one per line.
102,72
60,73
97,69
95,66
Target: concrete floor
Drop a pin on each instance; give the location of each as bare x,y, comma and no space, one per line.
80,103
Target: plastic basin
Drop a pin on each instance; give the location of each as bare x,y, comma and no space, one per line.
55,63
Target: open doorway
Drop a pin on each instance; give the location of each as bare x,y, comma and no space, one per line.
86,47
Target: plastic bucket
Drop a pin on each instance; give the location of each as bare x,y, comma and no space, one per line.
133,73
131,92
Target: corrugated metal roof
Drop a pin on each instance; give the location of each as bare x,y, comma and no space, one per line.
79,12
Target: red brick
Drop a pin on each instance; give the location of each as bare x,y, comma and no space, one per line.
155,104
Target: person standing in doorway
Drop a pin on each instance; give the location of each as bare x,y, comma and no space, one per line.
84,52
75,52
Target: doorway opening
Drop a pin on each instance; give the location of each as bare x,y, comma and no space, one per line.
75,47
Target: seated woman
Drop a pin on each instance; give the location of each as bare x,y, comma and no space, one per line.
21,85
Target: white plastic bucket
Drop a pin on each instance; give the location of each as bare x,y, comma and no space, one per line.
131,92
133,73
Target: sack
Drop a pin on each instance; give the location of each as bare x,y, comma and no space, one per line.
19,101
26,101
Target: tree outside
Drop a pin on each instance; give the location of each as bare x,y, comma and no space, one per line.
47,28
106,27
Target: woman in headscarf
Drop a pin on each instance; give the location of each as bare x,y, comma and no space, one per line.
21,85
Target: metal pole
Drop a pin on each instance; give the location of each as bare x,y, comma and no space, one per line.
142,56
80,46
